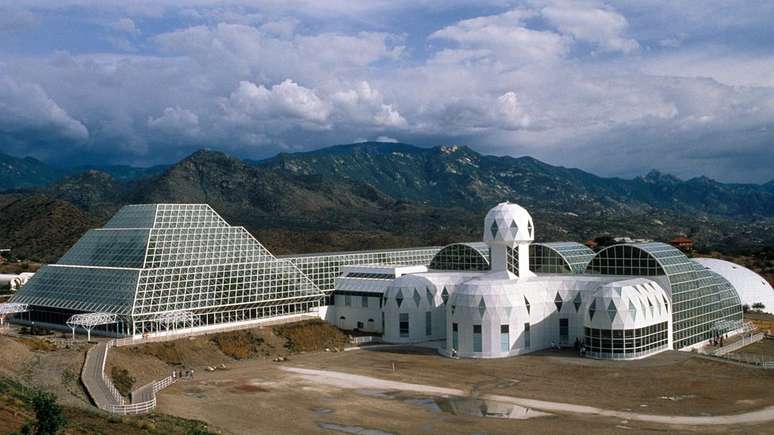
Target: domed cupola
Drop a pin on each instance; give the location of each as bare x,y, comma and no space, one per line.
508,230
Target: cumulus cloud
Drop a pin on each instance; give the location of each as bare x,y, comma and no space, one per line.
26,110
285,100
591,22
575,83
125,25
175,120
503,37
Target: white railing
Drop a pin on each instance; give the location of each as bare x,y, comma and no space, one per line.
365,339
164,383
134,408
121,407
744,341
106,379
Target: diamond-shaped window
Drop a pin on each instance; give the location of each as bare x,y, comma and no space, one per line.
482,307
611,310
577,302
592,309
429,296
399,297
526,304
514,229
558,302
529,229
417,298
445,295
493,229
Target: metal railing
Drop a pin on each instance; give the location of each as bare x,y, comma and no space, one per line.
746,339
120,406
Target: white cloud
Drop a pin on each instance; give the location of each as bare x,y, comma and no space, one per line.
503,37
591,22
176,121
287,99
125,25
386,139
26,109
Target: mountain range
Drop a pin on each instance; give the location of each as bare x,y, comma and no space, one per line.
376,195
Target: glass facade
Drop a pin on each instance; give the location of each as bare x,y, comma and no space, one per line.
462,256
626,343
186,258
109,248
560,257
700,298
323,269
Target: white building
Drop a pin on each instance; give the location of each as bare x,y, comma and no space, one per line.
753,289
509,296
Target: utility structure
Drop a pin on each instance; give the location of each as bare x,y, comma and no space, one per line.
177,318
88,321
9,308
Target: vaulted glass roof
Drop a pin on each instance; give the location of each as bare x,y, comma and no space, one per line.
700,298
559,257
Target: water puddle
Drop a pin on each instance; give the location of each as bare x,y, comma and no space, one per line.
321,411
473,407
353,429
461,406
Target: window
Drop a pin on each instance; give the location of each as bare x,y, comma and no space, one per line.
526,336
404,324
364,301
455,336
505,340
476,338
428,323
360,325
564,330
348,300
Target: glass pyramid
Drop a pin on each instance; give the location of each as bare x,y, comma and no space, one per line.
153,258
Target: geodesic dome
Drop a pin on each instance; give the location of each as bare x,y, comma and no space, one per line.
508,224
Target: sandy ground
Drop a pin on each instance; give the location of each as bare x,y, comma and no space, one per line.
57,371
256,396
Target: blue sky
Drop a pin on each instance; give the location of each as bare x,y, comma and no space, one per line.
616,88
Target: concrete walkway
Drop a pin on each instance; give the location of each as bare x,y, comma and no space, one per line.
346,380
91,375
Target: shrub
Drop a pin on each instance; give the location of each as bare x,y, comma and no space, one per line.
48,414
122,380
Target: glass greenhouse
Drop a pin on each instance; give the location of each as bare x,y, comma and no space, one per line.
700,298
149,260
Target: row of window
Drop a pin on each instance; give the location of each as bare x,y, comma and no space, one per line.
627,341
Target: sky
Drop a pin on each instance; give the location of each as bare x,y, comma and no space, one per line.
616,88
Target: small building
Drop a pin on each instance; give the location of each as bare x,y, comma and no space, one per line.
682,243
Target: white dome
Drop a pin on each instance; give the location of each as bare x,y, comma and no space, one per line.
750,286
508,224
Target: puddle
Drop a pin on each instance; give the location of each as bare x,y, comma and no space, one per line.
353,429
384,394
469,406
321,411
461,406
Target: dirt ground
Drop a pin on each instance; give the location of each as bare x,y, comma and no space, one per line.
253,396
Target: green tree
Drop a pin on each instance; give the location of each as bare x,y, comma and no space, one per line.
48,414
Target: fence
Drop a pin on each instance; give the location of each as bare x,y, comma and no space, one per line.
744,341
106,396
212,329
366,339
